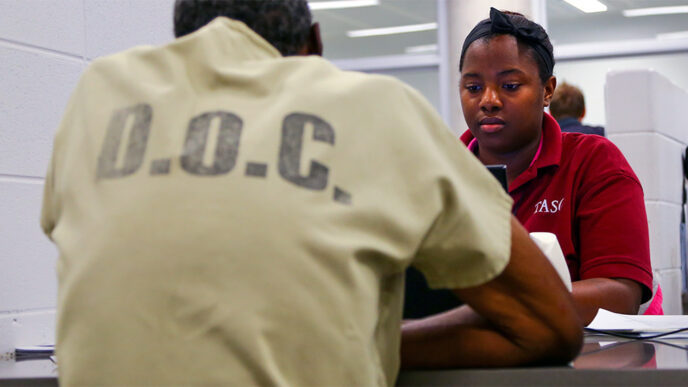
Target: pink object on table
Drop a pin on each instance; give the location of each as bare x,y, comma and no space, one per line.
655,307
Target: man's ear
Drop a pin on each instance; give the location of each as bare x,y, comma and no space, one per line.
314,45
550,85
582,115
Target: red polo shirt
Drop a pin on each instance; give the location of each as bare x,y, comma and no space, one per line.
581,188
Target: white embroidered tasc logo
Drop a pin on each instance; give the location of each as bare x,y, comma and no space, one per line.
552,207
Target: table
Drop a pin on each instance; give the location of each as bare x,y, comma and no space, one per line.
603,361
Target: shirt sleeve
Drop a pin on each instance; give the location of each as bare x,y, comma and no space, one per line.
469,242
612,226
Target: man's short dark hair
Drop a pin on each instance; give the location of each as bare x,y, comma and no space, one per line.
567,101
283,23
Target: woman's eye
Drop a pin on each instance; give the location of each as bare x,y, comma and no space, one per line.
472,88
511,86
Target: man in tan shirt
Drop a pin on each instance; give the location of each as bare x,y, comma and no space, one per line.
229,210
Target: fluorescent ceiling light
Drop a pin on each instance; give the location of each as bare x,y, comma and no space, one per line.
673,35
421,49
588,6
655,11
392,30
339,4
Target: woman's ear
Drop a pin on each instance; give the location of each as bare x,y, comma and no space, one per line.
550,85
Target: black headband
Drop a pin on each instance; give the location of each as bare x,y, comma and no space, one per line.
500,23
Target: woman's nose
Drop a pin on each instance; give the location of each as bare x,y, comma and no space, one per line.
490,100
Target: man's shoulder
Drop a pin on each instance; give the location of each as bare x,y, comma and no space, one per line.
587,129
122,60
572,125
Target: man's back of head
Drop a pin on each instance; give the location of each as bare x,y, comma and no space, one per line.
286,24
567,102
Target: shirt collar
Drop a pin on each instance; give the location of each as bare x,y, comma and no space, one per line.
227,40
567,121
548,154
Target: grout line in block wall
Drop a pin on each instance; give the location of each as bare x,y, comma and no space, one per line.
672,139
666,269
40,50
26,312
7,178
655,201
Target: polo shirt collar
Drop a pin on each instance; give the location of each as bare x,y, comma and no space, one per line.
568,121
549,155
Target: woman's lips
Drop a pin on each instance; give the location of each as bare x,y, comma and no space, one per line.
491,125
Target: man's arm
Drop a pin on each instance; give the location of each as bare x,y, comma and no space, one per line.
524,316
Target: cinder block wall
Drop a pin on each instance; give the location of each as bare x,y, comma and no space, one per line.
44,47
646,119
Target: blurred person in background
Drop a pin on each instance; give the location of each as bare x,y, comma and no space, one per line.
568,108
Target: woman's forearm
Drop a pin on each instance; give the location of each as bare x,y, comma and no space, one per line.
615,295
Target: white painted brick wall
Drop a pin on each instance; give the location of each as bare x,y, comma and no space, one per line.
44,47
631,113
671,280
35,90
649,103
656,160
135,22
49,24
663,219
644,121
28,258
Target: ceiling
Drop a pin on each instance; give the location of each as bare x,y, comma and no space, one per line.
565,24
335,23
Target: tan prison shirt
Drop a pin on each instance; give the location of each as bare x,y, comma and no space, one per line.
225,215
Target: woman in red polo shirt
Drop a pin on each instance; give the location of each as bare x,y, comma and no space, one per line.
579,187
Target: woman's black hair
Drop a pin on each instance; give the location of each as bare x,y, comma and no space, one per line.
526,32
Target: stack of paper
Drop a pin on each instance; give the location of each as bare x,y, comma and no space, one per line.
641,325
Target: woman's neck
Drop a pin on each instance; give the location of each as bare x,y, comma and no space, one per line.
516,162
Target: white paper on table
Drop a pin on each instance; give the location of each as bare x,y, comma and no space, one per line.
609,321
548,243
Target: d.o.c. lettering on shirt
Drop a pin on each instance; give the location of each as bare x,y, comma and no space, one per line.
122,155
